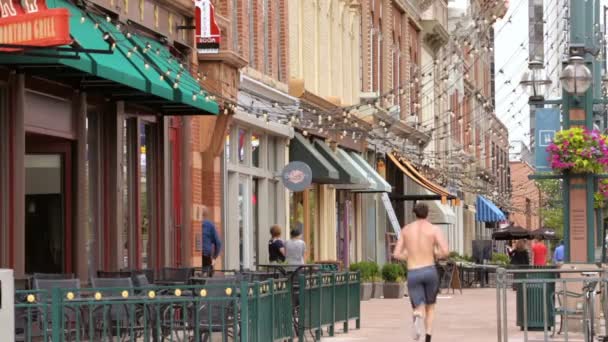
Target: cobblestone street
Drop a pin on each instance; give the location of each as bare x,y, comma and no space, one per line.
466,317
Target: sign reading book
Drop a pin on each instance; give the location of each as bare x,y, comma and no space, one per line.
208,34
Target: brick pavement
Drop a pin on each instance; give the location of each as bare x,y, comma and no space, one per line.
466,317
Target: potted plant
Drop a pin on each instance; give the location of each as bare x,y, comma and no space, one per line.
378,284
366,278
394,285
500,259
579,150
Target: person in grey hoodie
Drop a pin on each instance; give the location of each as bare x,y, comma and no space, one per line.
295,248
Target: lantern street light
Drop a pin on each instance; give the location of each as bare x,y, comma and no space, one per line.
576,78
535,81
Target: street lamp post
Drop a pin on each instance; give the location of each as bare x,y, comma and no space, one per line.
580,82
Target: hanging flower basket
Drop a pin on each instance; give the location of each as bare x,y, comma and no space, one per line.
579,150
601,196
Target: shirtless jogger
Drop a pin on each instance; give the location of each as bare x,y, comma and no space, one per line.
421,243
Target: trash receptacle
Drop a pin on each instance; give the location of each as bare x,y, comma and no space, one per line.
535,315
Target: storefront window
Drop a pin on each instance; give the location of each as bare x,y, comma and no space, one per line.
227,148
296,202
272,150
242,145
255,216
312,214
242,214
255,149
143,202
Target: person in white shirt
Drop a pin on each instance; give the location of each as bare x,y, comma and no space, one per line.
295,248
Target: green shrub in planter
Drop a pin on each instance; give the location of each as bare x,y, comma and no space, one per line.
500,259
365,270
378,291
393,275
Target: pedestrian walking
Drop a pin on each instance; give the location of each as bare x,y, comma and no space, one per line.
558,255
421,244
539,252
520,255
212,245
276,247
295,248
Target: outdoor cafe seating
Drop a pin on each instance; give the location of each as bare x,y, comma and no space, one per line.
182,303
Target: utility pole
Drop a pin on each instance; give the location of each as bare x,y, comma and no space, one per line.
581,80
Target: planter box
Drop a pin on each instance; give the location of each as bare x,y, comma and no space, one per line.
366,291
378,290
394,290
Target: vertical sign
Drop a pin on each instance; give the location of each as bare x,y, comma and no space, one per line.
208,34
547,124
391,213
578,221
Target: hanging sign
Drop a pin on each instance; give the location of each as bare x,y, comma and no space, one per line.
297,176
547,124
32,23
208,34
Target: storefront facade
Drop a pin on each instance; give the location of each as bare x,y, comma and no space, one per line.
88,142
255,153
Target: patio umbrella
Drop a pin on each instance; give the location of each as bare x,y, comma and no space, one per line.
544,234
511,232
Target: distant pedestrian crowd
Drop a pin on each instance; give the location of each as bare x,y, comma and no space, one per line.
537,254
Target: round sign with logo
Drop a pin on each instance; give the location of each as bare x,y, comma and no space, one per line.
297,176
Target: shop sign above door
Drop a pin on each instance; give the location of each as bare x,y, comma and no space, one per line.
208,34
297,176
30,23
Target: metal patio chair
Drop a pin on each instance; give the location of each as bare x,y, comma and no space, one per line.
213,315
72,319
53,276
175,275
117,319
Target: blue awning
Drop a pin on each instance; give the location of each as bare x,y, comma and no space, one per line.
488,211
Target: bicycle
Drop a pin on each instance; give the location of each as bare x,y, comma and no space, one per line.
590,292
588,295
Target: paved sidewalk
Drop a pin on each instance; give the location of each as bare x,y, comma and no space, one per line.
466,317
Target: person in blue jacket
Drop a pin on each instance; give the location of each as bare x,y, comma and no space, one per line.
212,244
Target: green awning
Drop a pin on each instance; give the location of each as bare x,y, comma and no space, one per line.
127,71
380,184
367,183
348,173
322,170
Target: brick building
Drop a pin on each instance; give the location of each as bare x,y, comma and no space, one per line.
95,150
527,197
240,155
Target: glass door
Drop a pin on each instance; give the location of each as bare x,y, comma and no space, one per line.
46,213
245,231
175,181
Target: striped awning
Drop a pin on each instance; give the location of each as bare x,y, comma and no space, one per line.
487,211
410,171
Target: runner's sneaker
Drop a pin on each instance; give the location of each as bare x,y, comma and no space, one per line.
417,331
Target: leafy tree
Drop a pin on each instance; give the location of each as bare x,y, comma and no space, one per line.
551,210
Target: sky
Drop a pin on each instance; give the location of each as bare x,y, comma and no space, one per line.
511,58
511,32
